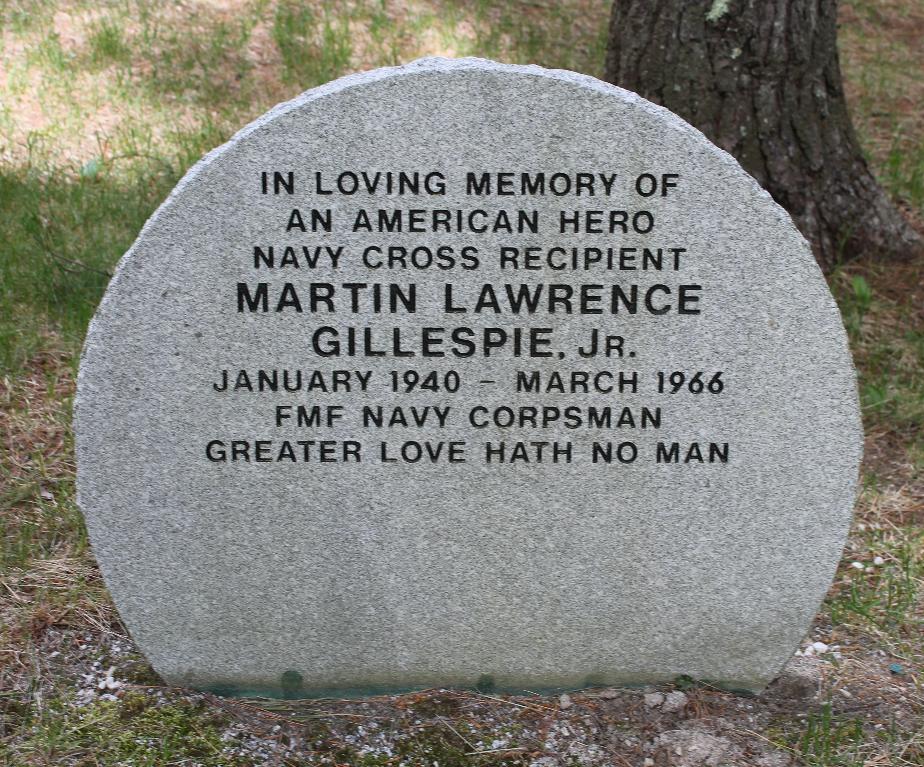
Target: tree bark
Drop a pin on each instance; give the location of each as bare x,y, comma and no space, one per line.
761,78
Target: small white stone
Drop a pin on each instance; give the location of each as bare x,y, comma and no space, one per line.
878,561
85,696
564,702
819,647
856,565
674,701
653,699
109,683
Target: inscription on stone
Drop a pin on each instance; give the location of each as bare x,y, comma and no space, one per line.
461,371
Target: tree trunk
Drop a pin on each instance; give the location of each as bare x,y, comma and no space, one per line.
761,78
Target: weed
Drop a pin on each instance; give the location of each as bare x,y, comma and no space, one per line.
50,55
903,171
828,741
885,598
856,304
107,43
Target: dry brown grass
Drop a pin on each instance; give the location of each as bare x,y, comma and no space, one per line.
48,579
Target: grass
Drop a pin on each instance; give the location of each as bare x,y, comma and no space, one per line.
312,45
827,741
107,43
903,171
129,731
886,330
37,475
882,65
884,594
103,106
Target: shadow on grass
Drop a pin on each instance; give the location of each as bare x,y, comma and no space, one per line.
62,236
63,231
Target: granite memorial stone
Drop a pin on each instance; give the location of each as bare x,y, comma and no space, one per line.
461,371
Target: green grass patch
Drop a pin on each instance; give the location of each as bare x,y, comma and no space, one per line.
891,394
64,229
880,57
129,731
107,43
21,16
49,54
45,527
206,67
903,172
887,342
830,739
63,232
315,46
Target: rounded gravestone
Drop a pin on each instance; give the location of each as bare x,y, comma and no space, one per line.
461,371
